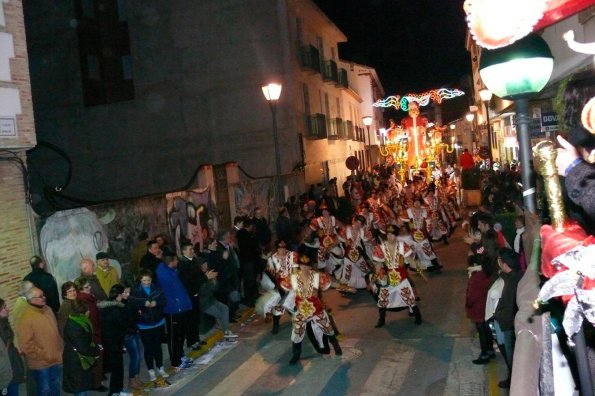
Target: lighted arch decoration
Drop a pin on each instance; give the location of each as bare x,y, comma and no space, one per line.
422,99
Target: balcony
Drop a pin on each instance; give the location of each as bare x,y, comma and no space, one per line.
359,134
316,124
336,130
331,72
310,58
349,130
343,81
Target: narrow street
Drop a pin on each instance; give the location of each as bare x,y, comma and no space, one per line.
398,359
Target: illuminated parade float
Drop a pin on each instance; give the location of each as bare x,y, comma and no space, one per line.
415,143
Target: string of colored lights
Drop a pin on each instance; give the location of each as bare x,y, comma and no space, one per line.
423,99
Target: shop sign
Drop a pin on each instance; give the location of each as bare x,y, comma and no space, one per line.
549,121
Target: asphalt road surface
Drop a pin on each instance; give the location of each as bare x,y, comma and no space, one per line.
401,358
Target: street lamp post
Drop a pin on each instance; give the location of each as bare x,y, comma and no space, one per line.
272,92
470,117
486,95
515,73
367,120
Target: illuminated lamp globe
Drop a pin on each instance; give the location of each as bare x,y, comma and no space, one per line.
469,116
518,70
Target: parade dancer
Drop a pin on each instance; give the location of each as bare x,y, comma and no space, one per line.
392,288
279,267
355,268
437,222
304,301
330,253
426,258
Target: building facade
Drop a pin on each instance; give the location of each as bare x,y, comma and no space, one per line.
17,135
132,98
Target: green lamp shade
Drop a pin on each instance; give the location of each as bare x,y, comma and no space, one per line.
520,69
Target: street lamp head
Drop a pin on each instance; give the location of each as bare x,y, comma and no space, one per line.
469,116
272,91
485,94
452,127
518,70
367,120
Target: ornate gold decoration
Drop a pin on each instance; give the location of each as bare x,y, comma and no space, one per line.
545,155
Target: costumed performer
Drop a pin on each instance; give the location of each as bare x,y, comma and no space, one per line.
304,301
391,287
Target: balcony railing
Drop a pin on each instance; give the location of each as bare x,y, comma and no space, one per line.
335,128
310,58
331,72
316,124
343,79
349,130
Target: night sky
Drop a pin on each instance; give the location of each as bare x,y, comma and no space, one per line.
414,45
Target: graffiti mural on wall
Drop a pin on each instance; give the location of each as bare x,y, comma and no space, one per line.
253,194
130,218
260,193
192,217
70,235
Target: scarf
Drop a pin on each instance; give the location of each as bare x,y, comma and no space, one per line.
82,320
517,239
472,269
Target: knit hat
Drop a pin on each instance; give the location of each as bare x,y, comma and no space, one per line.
101,255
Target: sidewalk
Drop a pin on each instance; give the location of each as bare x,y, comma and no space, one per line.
212,338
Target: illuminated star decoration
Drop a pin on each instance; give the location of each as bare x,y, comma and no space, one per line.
423,99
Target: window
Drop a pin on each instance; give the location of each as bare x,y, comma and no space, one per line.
306,97
299,30
104,51
123,10
88,9
127,67
93,67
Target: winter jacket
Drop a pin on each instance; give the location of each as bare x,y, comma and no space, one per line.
39,338
96,288
113,321
176,296
107,278
74,377
63,313
5,368
147,316
189,274
91,303
46,282
15,359
507,307
477,291
130,317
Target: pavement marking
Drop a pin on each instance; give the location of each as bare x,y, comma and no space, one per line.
390,371
250,371
493,379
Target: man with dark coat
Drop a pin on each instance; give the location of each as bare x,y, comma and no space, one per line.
152,257
191,276
44,281
249,255
228,291
508,261
261,228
